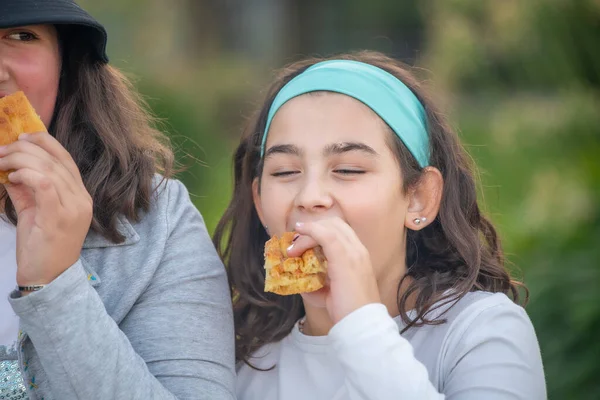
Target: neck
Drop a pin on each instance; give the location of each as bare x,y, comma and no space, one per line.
389,293
317,321
389,280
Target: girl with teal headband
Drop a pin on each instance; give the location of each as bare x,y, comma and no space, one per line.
351,155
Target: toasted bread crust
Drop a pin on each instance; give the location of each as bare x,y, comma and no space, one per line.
305,284
292,275
17,116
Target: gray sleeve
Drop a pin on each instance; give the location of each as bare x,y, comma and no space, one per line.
176,343
495,357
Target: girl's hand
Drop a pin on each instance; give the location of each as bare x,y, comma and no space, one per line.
351,280
53,206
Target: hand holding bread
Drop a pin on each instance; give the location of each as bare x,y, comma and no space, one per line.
53,206
351,281
17,116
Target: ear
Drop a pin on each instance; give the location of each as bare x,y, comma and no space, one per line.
257,201
424,199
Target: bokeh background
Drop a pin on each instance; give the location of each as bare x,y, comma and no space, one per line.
520,80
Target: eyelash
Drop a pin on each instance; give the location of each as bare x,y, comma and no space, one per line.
340,171
30,36
283,173
349,171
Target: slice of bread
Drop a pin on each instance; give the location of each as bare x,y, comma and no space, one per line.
292,275
17,116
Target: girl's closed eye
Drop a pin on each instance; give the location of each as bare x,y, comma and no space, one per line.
349,171
284,173
349,168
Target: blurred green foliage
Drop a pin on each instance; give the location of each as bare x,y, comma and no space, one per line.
525,82
521,79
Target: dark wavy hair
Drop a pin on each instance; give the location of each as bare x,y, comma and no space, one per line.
459,250
105,125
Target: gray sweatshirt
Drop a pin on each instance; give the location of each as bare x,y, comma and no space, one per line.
149,318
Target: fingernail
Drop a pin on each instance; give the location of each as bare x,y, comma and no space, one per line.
290,248
296,236
299,224
23,136
2,148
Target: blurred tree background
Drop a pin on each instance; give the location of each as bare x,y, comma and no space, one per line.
519,79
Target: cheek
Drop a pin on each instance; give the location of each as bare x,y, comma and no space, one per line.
377,216
38,77
276,201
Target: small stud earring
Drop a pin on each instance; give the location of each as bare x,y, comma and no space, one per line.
266,228
417,221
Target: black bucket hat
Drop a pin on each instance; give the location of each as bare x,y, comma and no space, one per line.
15,13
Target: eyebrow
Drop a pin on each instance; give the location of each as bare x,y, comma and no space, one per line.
332,149
284,149
345,147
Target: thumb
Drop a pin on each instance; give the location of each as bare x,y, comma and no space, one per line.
317,298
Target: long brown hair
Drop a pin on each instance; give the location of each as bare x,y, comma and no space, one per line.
459,250
104,124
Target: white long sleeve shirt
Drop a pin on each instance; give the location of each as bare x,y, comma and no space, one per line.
487,349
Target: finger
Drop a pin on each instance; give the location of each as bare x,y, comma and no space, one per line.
338,227
25,146
55,172
300,245
341,246
54,148
343,229
351,241
325,235
305,242
44,191
21,196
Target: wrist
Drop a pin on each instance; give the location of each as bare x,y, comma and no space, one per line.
24,290
22,281
26,279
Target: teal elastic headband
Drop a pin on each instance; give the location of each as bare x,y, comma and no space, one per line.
385,94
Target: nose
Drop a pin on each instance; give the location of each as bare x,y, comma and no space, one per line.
314,195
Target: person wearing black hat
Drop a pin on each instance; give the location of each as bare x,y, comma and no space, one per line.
120,293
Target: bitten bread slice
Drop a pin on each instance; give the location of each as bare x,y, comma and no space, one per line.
292,275
16,116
